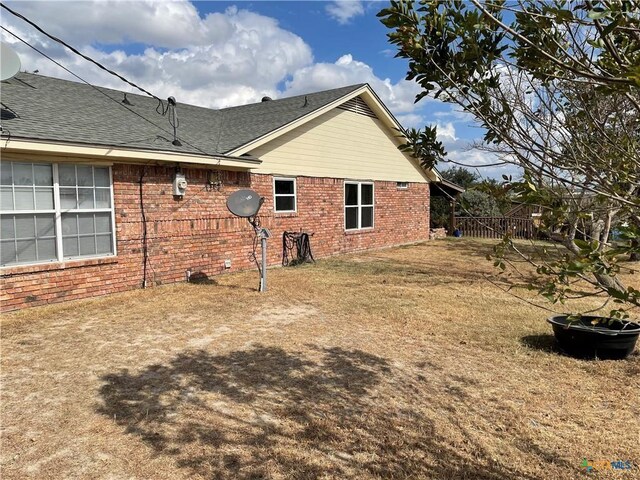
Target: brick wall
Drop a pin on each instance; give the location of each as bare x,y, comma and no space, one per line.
197,233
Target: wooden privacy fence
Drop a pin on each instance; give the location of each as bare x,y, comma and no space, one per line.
496,227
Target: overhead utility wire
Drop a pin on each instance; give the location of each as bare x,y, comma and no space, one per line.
84,81
77,52
110,98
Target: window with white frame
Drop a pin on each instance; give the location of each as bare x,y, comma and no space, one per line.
284,194
54,212
358,205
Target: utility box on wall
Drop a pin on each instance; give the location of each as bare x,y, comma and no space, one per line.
179,185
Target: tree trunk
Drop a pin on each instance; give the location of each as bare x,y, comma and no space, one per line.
635,256
609,282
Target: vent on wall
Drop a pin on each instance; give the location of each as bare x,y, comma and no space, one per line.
357,105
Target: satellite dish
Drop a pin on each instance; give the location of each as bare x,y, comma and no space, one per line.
9,62
244,203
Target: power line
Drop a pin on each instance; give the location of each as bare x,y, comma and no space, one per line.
103,93
77,52
83,80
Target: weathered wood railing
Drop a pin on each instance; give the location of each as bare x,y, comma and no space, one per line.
496,227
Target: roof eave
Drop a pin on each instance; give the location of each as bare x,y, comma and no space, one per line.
15,144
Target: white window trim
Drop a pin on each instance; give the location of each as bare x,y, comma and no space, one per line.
359,205
294,195
57,211
402,185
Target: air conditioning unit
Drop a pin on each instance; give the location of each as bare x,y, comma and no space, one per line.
179,185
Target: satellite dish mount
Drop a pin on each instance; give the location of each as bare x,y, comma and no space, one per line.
246,204
9,62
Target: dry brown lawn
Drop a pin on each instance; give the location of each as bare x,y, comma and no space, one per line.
398,363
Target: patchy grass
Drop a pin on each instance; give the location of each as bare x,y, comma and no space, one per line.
399,363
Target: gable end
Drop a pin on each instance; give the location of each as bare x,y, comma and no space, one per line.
359,106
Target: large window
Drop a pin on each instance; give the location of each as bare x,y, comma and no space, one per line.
51,212
284,193
358,205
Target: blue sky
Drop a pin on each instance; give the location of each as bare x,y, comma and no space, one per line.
218,54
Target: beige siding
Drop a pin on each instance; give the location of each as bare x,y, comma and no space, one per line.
339,144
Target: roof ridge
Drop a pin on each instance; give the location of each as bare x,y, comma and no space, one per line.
147,97
350,88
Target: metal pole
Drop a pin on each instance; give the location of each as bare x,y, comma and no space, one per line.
263,280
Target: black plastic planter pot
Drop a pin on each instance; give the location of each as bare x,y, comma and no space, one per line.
591,336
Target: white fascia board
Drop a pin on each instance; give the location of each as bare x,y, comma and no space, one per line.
122,155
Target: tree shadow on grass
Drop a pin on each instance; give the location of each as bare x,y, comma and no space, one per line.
266,412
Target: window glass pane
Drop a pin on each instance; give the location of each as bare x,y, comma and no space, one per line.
22,174
70,247
7,229
85,197
68,198
366,194
284,186
85,176
25,226
8,252
367,217
67,175
103,198
47,249
69,224
44,198
351,217
285,204
104,243
24,198
5,173
103,223
43,175
101,176
350,194
27,250
85,223
45,225
6,198
87,245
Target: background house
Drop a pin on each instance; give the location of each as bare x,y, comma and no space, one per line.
87,178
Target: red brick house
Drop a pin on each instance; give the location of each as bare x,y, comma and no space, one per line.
87,178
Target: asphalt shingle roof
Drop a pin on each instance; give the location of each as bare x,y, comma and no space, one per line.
46,108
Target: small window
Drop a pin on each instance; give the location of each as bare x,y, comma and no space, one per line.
358,205
402,185
284,195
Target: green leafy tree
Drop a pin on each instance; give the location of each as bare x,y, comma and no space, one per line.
461,176
556,87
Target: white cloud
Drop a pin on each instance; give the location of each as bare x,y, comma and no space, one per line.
343,11
399,96
480,161
455,115
224,59
446,132
163,24
411,120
